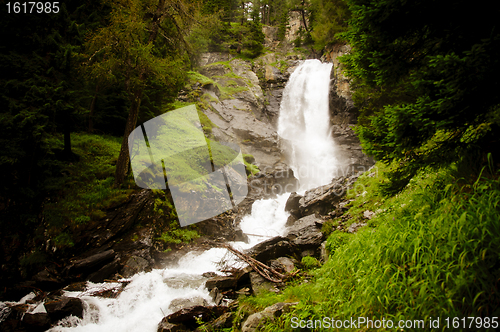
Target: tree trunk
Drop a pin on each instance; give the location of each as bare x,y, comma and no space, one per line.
123,162
92,108
123,159
304,16
242,12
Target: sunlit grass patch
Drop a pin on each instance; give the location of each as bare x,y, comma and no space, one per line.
431,252
85,190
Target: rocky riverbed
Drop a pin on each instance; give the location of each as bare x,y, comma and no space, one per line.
124,242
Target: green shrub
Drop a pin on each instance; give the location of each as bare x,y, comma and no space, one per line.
432,252
309,262
85,189
179,235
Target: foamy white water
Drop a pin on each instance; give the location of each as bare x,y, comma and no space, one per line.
305,122
143,302
267,220
146,299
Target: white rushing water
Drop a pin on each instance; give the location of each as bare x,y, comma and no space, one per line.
140,306
305,123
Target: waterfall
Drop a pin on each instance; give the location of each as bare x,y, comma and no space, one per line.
304,124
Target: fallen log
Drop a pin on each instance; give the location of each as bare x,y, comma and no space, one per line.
259,267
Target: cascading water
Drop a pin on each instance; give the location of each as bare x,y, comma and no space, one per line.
304,123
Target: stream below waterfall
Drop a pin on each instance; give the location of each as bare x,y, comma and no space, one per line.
304,123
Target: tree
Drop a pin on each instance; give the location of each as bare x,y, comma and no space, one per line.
143,45
427,81
328,19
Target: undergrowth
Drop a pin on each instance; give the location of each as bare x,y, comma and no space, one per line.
84,191
430,251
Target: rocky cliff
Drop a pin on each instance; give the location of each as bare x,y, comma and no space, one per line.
343,114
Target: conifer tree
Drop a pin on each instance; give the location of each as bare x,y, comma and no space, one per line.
427,82
143,44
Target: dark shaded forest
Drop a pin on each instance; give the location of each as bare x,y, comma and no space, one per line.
75,83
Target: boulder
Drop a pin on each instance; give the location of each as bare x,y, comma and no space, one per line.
166,326
255,321
286,264
355,226
310,223
63,307
105,272
271,249
277,309
91,263
47,280
321,200
39,321
191,316
259,283
134,264
178,304
368,214
292,204
222,283
216,296
306,235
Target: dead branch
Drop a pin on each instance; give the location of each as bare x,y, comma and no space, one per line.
262,269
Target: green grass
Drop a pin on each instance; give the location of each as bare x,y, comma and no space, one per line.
85,190
252,169
170,233
195,77
228,91
178,236
431,251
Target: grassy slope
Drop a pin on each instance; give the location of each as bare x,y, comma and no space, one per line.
84,192
85,189
431,251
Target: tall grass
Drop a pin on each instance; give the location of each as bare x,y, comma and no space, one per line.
431,251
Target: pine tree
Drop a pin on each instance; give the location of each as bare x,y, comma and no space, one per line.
428,82
143,44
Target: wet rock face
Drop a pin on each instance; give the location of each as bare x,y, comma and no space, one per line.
320,200
190,318
63,307
179,304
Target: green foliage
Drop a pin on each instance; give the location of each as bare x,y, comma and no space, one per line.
172,233
309,262
337,240
432,254
85,190
178,236
251,169
428,85
41,93
283,25
328,19
245,39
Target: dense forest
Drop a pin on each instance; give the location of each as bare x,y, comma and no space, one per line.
78,77
102,67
